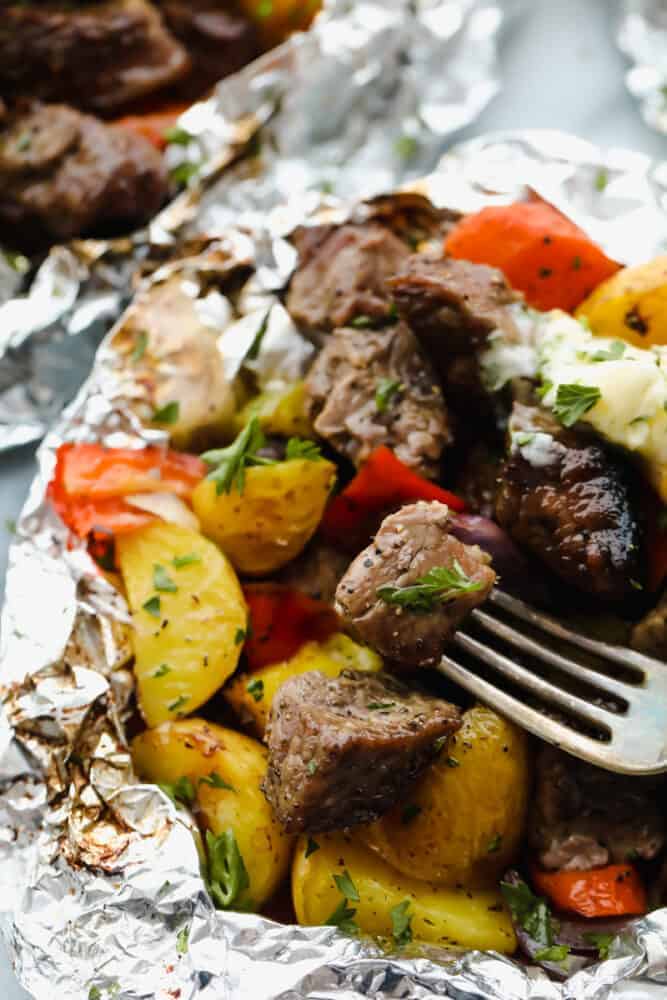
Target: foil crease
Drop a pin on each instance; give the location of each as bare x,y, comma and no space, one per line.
641,34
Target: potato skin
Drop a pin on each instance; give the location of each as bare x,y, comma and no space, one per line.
333,655
471,819
198,644
195,748
448,917
271,522
631,305
279,411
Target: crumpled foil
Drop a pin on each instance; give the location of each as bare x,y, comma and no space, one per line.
641,34
363,100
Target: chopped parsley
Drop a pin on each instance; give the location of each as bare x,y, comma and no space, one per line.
302,448
343,918
10,525
576,263
361,322
253,351
601,179
229,464
406,147
522,438
174,706
256,689
311,767
602,942
439,744
401,923
215,781
555,953
385,392
452,762
380,706
346,886
181,790
438,586
494,844
152,606
167,414
187,560
615,351
140,345
311,847
162,670
177,136
240,637
410,812
529,911
573,401
94,993
162,581
227,873
182,940
182,173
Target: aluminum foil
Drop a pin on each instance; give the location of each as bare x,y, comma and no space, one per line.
642,35
363,100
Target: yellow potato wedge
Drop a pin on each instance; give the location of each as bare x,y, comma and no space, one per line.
448,917
631,305
280,411
463,822
213,757
270,522
333,655
188,613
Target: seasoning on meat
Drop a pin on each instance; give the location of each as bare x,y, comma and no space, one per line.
64,174
341,275
583,817
343,750
374,387
413,554
566,498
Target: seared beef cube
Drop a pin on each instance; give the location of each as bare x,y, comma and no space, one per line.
64,174
98,56
316,571
372,387
650,634
343,750
341,275
405,594
566,498
583,817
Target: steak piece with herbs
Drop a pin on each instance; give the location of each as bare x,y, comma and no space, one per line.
405,594
343,750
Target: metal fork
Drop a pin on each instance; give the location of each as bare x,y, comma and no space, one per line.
617,723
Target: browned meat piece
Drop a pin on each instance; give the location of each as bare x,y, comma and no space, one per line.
566,498
372,387
316,571
583,817
650,634
64,174
343,750
98,56
341,275
477,482
384,598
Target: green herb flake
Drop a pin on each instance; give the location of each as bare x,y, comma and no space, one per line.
10,525
162,581
573,401
401,923
182,940
438,586
256,689
184,172
227,873
229,464
181,790
253,351
529,911
601,179
406,147
94,993
177,136
215,781
167,414
452,762
162,670
361,322
636,584
387,388
576,263
152,606
555,953
342,918
522,438
302,448
410,812
24,141
240,637
311,847
380,706
614,352
140,345
311,767
602,942
346,886
187,560
174,706
495,844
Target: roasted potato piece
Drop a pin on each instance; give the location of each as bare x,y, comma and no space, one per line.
213,757
631,305
270,522
188,613
280,411
463,823
250,695
449,917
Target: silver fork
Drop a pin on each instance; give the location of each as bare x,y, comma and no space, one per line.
628,734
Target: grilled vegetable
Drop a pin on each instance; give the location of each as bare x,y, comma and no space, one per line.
187,608
281,620
631,305
281,411
221,771
612,891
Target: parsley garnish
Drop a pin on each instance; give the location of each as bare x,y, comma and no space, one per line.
529,911
573,401
182,173
177,136
240,637
361,322
439,744
181,790
438,586
601,179
380,706
346,886
385,392
406,146
140,345
256,689
162,670
253,351
167,414
94,993
302,448
342,918
227,874
162,581
175,705
452,761
152,606
410,812
230,463
311,767
494,844
190,557
10,525
182,940
555,953
401,923
215,781
615,351
602,942
311,847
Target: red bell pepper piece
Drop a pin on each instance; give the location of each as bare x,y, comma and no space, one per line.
281,620
612,891
382,482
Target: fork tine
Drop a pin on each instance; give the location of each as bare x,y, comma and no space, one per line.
609,685
532,682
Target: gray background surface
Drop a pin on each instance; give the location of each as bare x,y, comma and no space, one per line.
560,69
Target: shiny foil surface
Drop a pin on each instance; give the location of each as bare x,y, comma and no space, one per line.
641,35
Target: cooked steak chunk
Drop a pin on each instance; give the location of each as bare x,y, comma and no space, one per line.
98,56
64,174
566,498
583,817
343,750
372,387
406,593
316,571
650,634
341,275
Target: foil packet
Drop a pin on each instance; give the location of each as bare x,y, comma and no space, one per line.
641,34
